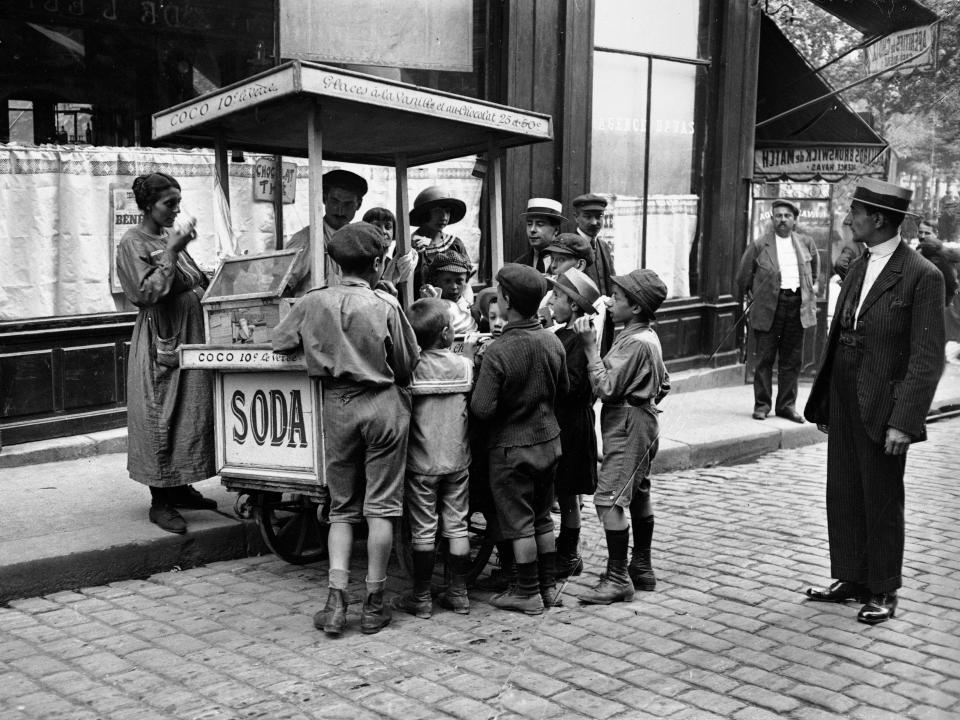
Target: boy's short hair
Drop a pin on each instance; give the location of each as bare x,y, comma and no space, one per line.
428,317
354,247
380,214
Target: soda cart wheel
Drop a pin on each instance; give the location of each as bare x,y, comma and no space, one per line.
481,545
293,526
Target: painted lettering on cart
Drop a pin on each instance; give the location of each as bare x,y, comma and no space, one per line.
269,416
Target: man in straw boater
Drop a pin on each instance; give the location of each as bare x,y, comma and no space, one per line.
880,369
343,193
542,221
778,273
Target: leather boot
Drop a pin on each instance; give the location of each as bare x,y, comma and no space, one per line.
455,596
524,596
333,618
641,571
615,585
503,577
569,562
546,572
375,615
418,601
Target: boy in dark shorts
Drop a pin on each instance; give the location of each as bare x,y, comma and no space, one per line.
574,295
359,345
438,460
520,377
630,380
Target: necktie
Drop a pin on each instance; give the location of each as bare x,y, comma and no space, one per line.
849,315
539,264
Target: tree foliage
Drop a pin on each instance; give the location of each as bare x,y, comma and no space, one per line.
917,113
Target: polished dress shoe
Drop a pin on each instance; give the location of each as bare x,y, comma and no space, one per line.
839,591
167,518
791,415
758,415
188,497
333,618
880,607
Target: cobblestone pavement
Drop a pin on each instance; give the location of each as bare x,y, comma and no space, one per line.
727,633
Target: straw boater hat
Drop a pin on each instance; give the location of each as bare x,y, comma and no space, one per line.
544,208
577,286
887,196
436,196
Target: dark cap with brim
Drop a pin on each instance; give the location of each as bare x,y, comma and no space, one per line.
787,204
572,244
643,287
346,180
590,201
577,286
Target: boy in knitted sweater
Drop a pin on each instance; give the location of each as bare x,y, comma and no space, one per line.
521,375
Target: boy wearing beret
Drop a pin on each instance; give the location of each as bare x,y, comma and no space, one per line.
520,378
630,380
362,349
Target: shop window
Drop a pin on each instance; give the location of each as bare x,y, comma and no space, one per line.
74,123
647,133
20,121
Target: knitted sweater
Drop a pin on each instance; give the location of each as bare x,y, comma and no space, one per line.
522,374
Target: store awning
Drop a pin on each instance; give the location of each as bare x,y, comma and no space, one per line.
825,140
879,17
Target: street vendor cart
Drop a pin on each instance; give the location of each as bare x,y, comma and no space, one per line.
269,434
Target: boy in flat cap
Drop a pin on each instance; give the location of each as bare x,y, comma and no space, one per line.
448,274
520,378
630,380
574,295
343,193
362,349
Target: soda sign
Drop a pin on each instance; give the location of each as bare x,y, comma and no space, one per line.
269,426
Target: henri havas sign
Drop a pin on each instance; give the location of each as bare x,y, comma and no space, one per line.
822,160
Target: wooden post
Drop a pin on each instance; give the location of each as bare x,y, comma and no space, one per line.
220,165
318,265
495,199
278,202
403,230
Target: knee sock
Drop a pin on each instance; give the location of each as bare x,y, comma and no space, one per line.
338,579
642,533
617,542
375,586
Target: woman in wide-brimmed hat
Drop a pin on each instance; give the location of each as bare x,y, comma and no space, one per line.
433,210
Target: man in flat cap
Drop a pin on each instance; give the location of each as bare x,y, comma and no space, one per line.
880,369
343,193
542,220
778,276
588,212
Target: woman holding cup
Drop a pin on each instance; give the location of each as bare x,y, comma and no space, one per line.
169,410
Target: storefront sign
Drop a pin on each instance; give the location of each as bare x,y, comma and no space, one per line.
825,160
901,46
124,214
265,177
400,33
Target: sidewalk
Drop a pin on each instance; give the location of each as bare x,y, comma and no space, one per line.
74,519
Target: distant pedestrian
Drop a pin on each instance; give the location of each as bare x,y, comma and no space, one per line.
169,409
630,380
778,277
359,345
881,365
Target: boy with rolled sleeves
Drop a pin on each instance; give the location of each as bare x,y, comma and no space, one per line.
630,380
438,460
360,346
519,380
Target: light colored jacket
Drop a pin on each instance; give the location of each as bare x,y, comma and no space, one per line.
759,275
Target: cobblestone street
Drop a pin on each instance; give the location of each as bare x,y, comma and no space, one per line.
727,633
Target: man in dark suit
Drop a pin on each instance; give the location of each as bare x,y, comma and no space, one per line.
778,274
542,220
588,211
883,359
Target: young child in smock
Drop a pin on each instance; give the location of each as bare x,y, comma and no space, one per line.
438,460
630,380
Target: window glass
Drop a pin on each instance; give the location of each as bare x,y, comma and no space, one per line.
659,27
20,121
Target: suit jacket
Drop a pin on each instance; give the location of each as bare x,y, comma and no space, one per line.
901,326
760,274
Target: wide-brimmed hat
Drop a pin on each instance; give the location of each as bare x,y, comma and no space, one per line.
644,287
590,201
544,208
451,260
888,196
356,242
785,203
577,286
436,196
572,244
351,182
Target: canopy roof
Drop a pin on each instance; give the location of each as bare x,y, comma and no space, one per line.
879,17
364,119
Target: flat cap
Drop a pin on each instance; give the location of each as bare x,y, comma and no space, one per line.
524,286
573,244
357,242
590,201
644,287
787,204
451,260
